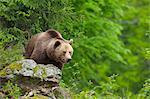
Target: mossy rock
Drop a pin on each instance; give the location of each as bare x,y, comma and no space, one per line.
8,70
30,76
30,68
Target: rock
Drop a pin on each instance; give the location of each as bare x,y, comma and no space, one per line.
32,78
29,68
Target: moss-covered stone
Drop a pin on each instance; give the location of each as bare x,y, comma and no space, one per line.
15,66
30,76
3,73
44,74
10,69
36,69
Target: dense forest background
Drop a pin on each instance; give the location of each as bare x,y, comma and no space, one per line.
111,42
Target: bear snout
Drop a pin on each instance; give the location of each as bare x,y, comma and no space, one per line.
68,60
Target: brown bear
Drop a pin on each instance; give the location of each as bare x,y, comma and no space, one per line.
49,48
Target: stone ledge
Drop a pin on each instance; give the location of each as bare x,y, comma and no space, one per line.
29,68
33,79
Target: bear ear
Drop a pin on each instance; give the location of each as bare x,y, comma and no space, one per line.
57,43
71,41
53,33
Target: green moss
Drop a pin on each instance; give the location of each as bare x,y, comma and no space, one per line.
15,66
9,69
3,73
44,74
36,69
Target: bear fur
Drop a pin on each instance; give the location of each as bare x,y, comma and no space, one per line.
49,48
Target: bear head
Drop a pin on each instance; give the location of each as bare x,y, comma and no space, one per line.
60,50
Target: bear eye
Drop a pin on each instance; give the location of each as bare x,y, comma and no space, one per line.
70,52
64,52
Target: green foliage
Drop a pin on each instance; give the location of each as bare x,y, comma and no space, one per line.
145,91
110,87
111,90
10,55
147,53
12,90
135,37
110,37
99,41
